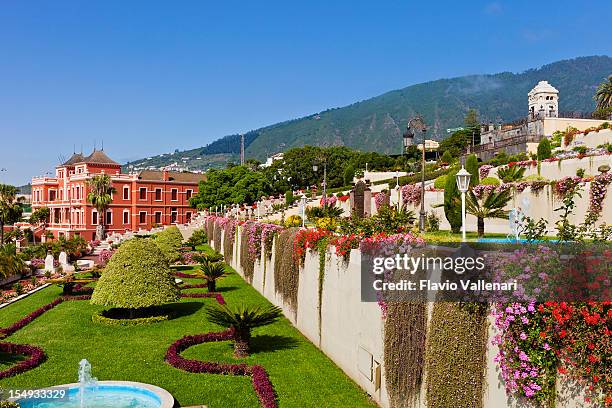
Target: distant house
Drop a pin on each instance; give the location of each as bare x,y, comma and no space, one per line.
542,121
141,200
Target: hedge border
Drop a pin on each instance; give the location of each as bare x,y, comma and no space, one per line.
261,381
138,321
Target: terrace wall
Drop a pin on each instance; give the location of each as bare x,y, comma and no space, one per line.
351,332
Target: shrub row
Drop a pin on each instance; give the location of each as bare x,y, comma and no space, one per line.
137,321
261,382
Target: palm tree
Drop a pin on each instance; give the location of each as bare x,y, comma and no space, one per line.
603,95
491,205
40,216
242,319
101,198
10,264
211,271
10,207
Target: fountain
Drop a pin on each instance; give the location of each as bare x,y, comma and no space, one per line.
91,393
86,380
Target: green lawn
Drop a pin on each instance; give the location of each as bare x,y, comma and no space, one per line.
302,375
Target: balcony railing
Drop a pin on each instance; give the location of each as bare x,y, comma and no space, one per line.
512,141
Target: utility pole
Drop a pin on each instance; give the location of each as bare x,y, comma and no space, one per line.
242,150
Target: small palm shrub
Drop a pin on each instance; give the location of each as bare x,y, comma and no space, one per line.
170,241
491,205
211,271
241,319
508,174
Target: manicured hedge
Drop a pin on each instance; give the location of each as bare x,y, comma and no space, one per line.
137,276
137,321
170,241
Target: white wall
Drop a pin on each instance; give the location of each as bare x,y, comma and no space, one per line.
352,331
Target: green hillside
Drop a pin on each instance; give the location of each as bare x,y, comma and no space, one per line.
376,124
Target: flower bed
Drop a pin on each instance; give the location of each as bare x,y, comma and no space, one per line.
261,382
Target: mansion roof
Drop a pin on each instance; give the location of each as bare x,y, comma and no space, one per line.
185,177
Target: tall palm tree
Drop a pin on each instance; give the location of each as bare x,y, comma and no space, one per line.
242,319
211,271
603,95
101,198
491,205
40,216
10,264
10,208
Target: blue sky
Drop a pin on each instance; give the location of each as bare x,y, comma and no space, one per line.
149,76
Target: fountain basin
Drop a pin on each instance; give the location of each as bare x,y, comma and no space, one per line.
108,394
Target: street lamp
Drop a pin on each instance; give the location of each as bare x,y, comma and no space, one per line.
415,125
315,168
303,202
463,182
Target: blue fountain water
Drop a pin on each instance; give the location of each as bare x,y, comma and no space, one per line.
89,394
105,396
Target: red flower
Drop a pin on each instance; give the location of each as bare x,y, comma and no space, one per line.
563,333
592,358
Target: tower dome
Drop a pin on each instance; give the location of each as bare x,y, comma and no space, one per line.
543,101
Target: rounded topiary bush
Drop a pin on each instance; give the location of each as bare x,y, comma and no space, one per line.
170,241
136,278
490,181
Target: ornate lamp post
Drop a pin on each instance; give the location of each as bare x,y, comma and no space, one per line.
415,125
463,183
303,203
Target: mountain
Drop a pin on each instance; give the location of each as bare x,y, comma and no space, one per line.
377,124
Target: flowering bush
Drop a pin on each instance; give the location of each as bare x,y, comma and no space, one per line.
483,189
524,163
597,194
344,198
105,256
411,194
484,170
305,239
268,231
537,341
381,199
187,258
344,244
37,263
330,201
564,185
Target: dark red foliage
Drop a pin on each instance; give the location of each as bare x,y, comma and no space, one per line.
261,382
36,357
185,275
217,296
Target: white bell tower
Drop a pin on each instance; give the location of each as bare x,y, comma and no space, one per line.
543,101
